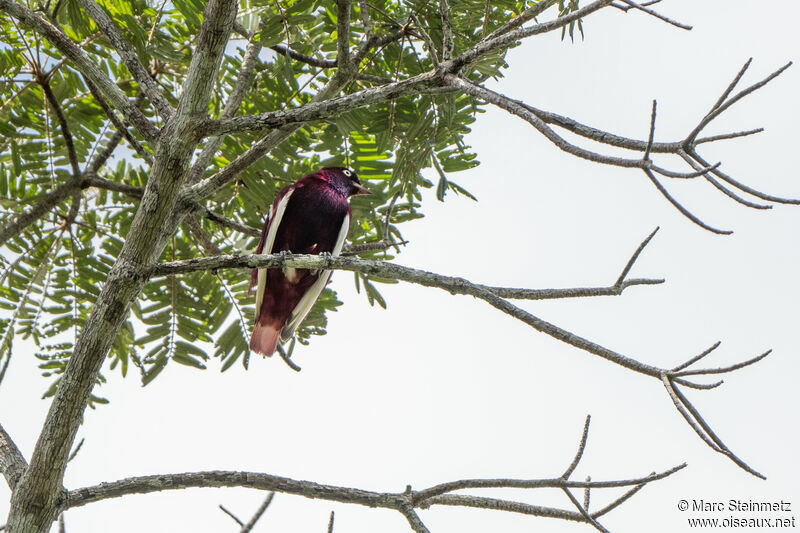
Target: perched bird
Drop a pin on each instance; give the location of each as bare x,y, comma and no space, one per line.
311,216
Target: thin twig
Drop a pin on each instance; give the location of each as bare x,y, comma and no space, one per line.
685,212
246,528
656,14
62,122
710,432
696,358
581,447
75,451
626,270
583,511
722,370
652,132
233,516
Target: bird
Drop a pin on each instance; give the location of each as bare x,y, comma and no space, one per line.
310,216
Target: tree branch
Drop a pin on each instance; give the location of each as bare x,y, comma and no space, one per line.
218,20
128,56
405,502
343,59
38,210
320,109
62,122
454,285
656,14
231,106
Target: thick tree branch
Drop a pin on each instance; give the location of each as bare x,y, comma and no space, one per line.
206,58
344,61
405,502
83,64
320,109
231,106
128,55
36,501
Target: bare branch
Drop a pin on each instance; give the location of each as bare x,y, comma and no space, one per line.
454,286
721,370
628,8
688,214
605,137
656,14
246,528
414,520
583,511
722,104
128,56
696,358
387,500
741,186
727,192
652,132
715,443
626,270
581,447
233,516
514,108
12,463
83,64
616,503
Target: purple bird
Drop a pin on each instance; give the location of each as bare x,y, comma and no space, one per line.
311,216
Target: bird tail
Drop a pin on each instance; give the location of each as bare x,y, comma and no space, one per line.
264,339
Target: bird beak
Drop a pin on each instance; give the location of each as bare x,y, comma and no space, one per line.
362,189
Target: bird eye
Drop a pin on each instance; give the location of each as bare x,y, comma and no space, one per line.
347,173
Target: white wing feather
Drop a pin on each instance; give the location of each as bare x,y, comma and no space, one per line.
307,301
275,221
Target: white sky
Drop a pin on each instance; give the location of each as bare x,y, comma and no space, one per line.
442,387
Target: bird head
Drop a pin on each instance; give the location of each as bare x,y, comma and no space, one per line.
344,180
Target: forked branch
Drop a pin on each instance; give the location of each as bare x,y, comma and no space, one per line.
407,502
495,296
